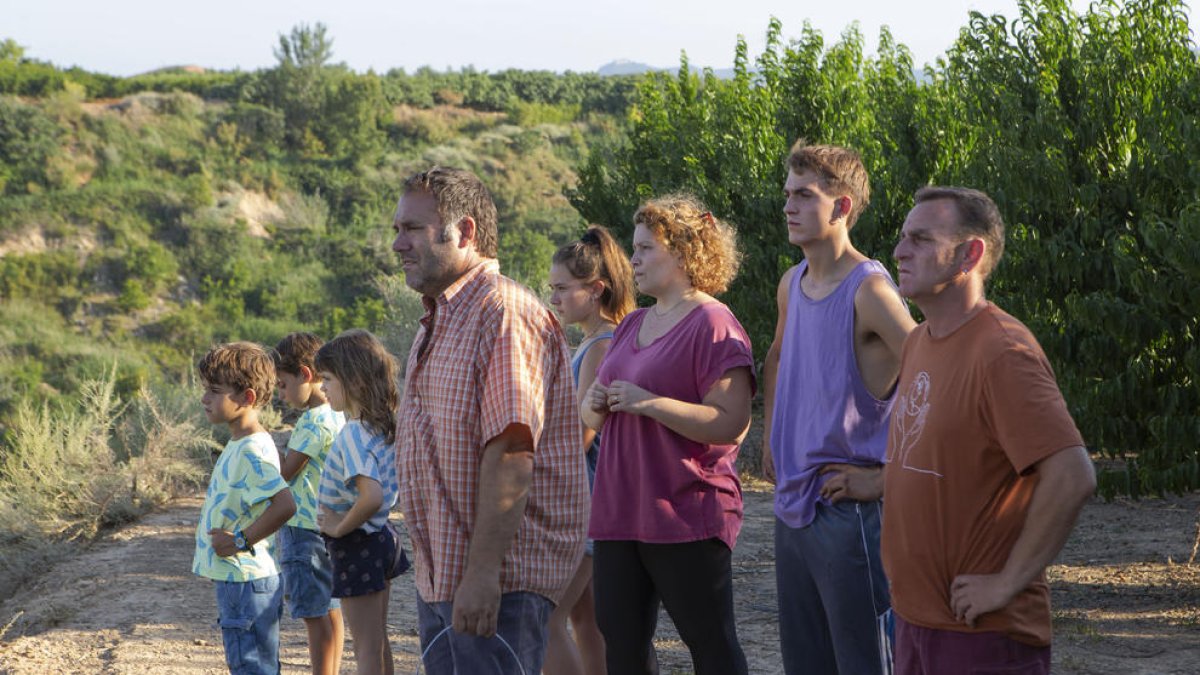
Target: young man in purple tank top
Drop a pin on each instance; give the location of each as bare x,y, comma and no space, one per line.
829,380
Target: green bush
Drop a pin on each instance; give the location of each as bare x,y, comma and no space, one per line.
20,76
367,313
39,276
189,329
531,114
133,296
525,256
29,140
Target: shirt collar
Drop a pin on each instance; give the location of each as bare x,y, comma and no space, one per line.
448,296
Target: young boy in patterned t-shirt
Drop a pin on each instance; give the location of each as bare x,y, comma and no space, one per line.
307,574
247,501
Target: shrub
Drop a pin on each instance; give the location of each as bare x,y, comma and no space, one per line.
68,471
29,140
133,296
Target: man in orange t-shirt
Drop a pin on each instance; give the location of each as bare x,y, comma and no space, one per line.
986,471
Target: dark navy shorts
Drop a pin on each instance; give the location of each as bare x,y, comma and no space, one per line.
363,562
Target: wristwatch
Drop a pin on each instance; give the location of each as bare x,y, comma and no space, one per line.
239,540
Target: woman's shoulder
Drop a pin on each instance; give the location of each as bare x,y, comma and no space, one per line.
716,323
717,314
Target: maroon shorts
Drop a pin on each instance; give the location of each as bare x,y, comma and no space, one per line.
928,651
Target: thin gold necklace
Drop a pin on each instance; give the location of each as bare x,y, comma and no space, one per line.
682,299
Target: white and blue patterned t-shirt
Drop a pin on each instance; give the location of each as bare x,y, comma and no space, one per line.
244,479
313,436
358,452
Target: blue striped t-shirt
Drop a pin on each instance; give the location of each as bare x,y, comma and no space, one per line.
358,452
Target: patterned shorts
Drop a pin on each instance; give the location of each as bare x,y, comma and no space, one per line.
364,561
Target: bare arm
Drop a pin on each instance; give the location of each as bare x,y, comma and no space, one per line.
721,418
771,370
593,406
281,508
370,498
1066,480
291,464
881,324
879,310
505,473
587,375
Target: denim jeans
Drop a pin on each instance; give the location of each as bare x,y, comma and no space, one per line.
521,622
307,573
249,613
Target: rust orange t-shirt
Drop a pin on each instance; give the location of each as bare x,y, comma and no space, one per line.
974,411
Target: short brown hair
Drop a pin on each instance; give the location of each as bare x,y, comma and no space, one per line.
597,256
460,193
707,247
296,350
240,366
841,171
978,215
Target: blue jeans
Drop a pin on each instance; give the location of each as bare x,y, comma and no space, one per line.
834,606
248,614
521,622
307,574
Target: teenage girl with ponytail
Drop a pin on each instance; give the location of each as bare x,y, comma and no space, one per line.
591,286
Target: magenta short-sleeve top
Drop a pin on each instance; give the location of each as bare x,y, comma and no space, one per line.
652,484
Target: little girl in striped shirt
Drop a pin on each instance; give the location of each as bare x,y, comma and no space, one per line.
358,488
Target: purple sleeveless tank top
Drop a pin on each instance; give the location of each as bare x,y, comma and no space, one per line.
823,412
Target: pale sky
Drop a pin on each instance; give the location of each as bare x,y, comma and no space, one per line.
125,37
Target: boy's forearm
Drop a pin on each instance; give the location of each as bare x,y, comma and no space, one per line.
292,464
280,510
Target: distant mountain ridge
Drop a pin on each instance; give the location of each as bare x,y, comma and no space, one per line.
627,67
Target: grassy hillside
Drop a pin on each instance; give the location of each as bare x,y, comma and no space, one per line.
144,219
157,224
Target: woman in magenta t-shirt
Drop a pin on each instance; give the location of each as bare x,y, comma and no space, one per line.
672,401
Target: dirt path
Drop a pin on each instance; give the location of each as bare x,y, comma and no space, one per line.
1124,603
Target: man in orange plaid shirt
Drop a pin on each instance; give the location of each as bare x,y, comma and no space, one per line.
492,483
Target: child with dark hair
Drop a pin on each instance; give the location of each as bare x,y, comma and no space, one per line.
358,488
247,500
307,573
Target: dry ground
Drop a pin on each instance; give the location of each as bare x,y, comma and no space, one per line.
1125,600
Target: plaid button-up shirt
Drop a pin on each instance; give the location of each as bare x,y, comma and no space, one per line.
488,354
